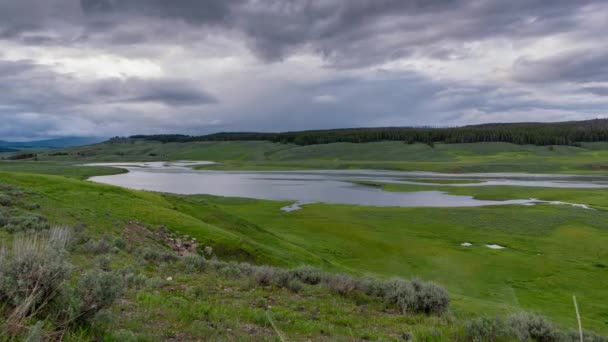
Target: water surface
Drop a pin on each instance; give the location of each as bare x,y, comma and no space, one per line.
326,186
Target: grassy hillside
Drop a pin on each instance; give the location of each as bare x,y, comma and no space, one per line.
552,252
458,158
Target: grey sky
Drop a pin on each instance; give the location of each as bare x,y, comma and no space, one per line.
121,67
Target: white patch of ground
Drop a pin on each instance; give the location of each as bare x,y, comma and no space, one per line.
495,246
466,244
294,207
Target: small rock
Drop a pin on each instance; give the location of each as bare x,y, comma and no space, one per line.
169,278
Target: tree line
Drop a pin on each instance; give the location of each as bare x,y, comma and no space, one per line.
559,133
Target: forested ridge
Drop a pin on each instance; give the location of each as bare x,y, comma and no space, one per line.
558,133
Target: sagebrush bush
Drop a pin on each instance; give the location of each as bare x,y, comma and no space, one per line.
101,246
119,243
416,296
264,275
308,274
523,326
526,326
294,285
6,200
32,273
341,284
156,254
195,263
26,222
486,329
97,290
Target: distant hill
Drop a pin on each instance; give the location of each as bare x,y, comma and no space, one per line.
9,146
5,149
534,133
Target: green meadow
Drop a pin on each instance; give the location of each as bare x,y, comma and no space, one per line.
551,253
261,155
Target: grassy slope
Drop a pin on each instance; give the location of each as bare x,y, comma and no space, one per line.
552,251
208,305
542,267
478,157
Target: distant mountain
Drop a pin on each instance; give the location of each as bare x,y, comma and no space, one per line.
51,143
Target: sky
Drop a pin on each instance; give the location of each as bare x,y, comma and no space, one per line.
124,67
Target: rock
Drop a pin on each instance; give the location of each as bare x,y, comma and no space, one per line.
169,278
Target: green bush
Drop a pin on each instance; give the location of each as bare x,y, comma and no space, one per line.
485,329
119,243
26,222
98,247
156,254
528,326
416,296
195,263
308,274
97,290
522,327
5,200
264,275
32,274
341,284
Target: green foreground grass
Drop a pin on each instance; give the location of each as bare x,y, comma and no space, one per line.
552,252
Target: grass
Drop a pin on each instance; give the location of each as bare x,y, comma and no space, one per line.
549,248
553,252
260,155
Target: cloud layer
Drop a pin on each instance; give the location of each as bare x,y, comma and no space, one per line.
119,67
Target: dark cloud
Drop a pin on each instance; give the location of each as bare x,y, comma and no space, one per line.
349,33
573,66
599,91
171,92
9,69
35,88
184,67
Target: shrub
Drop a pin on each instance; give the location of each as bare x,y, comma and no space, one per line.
485,329
416,296
308,274
119,243
195,263
97,290
264,275
341,284
124,336
104,263
33,273
26,222
5,200
98,247
196,291
154,283
371,286
588,336
527,326
230,270
294,285
156,254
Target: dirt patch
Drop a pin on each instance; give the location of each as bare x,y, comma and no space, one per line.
136,233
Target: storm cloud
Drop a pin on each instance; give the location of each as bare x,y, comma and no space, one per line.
108,67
